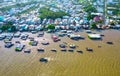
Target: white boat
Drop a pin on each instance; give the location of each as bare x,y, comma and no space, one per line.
94,36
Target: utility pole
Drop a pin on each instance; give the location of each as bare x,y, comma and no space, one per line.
105,11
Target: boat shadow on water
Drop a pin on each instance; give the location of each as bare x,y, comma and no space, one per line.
99,39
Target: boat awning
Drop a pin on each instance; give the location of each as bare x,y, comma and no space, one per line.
95,36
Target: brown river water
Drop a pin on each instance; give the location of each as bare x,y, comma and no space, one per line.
104,61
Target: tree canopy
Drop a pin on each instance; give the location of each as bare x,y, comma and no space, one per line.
51,26
8,27
90,8
47,13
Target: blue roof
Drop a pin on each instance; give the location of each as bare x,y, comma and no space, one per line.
1,18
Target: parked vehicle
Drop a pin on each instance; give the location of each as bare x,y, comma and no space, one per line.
45,43
73,46
24,37
88,31
31,38
63,50
27,50
44,60
17,35
9,38
89,49
33,43
62,45
79,51
75,37
61,34
109,42
40,50
19,47
55,38
17,42
71,50
40,34
8,45
33,32
2,37
53,50
63,31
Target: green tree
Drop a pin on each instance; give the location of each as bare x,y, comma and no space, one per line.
46,13
13,28
93,25
89,16
51,26
119,22
112,23
90,8
6,26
